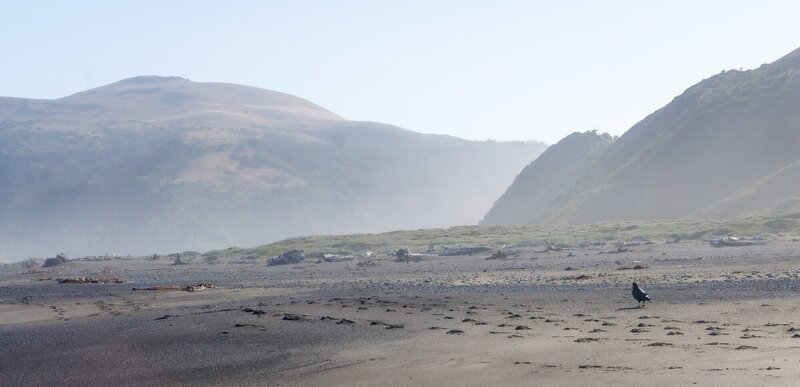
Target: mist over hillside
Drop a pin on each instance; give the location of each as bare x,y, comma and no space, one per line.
726,147
539,188
158,164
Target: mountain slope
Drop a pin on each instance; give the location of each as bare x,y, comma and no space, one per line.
698,156
545,180
164,164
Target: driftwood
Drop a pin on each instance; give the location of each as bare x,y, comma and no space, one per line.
288,257
189,288
735,242
337,258
59,259
453,251
549,247
403,255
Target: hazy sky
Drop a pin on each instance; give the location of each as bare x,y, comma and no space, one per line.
488,69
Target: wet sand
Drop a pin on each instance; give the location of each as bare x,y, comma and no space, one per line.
721,316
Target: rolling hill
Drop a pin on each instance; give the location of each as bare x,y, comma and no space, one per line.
726,147
154,164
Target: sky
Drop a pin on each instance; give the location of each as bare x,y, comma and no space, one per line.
501,69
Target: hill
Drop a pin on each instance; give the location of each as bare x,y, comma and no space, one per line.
165,164
546,180
726,147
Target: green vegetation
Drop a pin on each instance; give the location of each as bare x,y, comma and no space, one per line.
497,236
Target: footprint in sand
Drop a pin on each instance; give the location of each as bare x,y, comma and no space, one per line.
715,331
254,312
387,325
245,326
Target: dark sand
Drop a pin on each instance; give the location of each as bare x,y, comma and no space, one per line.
722,316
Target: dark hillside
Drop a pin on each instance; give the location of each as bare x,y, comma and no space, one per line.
717,150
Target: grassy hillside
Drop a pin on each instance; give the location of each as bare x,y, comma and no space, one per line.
726,147
787,226
544,181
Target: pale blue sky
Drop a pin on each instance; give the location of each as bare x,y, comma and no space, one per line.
473,69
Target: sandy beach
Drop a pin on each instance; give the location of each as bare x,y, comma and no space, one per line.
720,316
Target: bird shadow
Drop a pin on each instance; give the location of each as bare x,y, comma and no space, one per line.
631,308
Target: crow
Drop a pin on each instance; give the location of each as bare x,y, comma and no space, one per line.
640,294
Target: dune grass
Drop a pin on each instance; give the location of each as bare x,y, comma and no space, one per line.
497,236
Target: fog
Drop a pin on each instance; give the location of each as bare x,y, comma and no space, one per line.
77,185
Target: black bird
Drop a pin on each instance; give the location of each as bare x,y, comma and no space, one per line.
640,294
